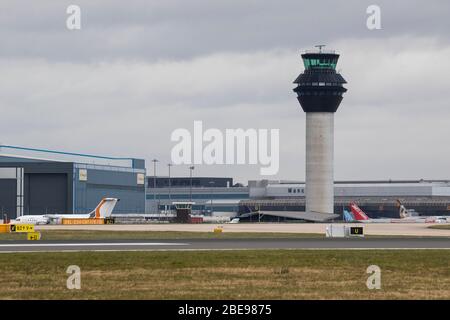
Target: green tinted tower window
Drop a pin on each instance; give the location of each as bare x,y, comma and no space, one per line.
320,63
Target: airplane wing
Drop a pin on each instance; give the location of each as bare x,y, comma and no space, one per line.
308,216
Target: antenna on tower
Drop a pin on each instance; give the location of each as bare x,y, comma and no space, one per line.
320,46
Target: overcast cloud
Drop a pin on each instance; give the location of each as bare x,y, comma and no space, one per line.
137,70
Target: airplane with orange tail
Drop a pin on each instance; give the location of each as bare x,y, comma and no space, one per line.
103,210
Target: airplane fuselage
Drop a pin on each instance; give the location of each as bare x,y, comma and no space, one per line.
33,219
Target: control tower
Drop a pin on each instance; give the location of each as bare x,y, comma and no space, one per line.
319,91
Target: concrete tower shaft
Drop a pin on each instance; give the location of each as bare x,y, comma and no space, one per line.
319,92
319,189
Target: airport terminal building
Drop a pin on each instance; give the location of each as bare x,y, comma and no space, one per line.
376,198
36,181
216,195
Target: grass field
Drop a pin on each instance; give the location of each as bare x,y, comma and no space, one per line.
253,274
441,227
153,235
132,235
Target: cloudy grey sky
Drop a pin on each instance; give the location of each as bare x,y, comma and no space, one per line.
137,70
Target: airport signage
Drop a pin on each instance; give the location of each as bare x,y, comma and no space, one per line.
218,230
33,236
22,228
82,175
109,220
356,231
140,179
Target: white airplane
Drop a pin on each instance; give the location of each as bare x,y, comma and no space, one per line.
412,215
32,219
103,210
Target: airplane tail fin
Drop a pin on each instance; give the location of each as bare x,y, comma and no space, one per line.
358,213
402,210
104,208
348,217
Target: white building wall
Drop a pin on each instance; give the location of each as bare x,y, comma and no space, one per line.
441,190
275,190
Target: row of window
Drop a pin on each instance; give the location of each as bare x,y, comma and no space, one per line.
186,182
320,63
151,196
205,207
320,84
320,93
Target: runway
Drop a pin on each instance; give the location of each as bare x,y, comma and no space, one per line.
224,244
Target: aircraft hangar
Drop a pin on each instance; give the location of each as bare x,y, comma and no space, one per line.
37,181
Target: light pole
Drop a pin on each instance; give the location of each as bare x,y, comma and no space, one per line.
211,183
190,188
170,191
154,184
